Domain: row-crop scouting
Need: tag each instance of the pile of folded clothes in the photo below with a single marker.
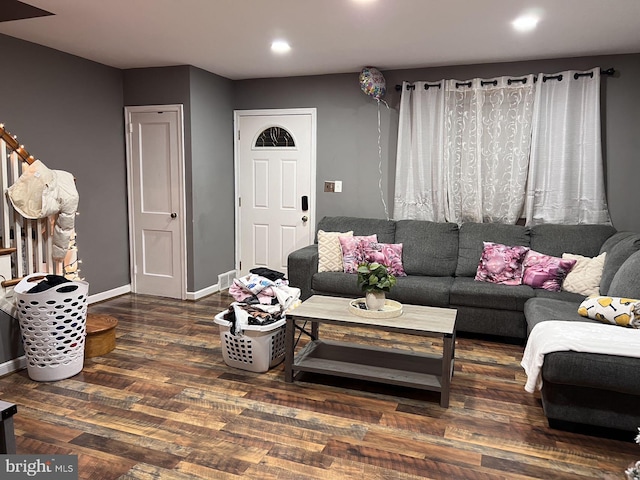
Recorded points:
(262, 297)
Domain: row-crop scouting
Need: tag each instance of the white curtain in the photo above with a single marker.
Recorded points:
(495, 150)
(566, 180)
(488, 134)
(463, 150)
(420, 190)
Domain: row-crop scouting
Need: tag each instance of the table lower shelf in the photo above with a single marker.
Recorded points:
(391, 366)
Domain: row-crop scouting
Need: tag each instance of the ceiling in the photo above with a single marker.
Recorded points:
(232, 37)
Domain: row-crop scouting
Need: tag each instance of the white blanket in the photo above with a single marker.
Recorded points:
(554, 336)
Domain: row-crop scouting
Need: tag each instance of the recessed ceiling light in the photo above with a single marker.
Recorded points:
(280, 46)
(525, 23)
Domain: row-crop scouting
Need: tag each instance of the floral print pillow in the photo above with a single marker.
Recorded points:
(545, 271)
(501, 264)
(353, 251)
(387, 254)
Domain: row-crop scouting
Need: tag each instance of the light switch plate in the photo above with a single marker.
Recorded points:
(337, 186)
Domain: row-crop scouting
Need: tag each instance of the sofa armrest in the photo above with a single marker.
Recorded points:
(301, 265)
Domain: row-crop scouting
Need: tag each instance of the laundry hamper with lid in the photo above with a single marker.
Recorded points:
(259, 348)
(53, 326)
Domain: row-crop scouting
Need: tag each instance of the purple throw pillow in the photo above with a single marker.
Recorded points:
(353, 251)
(387, 254)
(545, 271)
(501, 264)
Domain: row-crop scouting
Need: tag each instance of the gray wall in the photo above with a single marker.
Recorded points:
(347, 128)
(212, 177)
(208, 123)
(68, 113)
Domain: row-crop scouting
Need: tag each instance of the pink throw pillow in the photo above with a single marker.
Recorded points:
(501, 264)
(545, 271)
(387, 254)
(353, 251)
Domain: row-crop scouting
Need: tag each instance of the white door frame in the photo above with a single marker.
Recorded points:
(236, 165)
(182, 207)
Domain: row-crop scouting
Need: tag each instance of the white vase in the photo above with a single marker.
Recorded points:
(375, 300)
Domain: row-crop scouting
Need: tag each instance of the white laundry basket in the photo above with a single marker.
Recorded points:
(258, 349)
(53, 324)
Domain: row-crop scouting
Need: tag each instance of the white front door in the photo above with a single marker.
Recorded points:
(275, 186)
(156, 200)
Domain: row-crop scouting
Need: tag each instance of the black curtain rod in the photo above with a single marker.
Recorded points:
(608, 71)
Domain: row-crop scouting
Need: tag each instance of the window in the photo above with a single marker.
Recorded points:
(275, 137)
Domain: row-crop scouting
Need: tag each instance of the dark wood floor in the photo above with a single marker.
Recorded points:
(163, 404)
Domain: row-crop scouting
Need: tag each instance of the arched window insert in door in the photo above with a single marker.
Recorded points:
(275, 137)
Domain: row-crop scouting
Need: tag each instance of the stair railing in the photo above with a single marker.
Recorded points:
(31, 239)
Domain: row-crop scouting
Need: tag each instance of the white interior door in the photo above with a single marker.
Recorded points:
(275, 179)
(156, 205)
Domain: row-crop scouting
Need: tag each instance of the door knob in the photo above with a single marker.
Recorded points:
(174, 215)
(305, 218)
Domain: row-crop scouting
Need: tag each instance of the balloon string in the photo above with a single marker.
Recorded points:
(386, 211)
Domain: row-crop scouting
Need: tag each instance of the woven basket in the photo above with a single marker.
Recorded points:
(53, 325)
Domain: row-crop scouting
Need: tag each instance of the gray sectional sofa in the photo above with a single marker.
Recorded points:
(441, 260)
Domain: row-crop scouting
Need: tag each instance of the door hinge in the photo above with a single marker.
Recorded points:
(238, 134)
(130, 127)
(240, 265)
(239, 201)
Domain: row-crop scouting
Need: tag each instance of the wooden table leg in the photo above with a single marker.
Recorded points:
(7, 435)
(447, 363)
(288, 348)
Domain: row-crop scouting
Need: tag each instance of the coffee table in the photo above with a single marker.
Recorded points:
(425, 371)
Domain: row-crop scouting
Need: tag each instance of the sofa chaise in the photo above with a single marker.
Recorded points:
(441, 260)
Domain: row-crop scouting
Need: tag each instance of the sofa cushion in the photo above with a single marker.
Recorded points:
(472, 236)
(611, 373)
(562, 295)
(626, 282)
(490, 321)
(336, 283)
(541, 309)
(501, 264)
(468, 292)
(429, 248)
(584, 277)
(583, 240)
(422, 290)
(617, 254)
(385, 229)
(614, 239)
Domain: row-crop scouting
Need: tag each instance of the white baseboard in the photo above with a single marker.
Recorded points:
(203, 293)
(13, 365)
(116, 292)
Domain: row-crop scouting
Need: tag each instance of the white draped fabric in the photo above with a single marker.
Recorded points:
(566, 180)
(486, 154)
(420, 189)
(465, 151)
